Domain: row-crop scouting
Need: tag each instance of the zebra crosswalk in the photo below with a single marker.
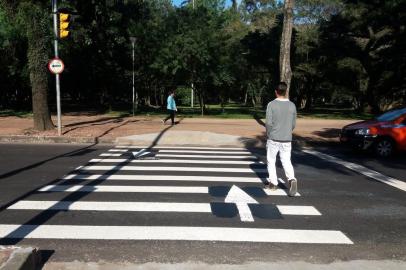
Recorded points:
(208, 194)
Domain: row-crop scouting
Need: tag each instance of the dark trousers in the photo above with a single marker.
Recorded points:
(171, 116)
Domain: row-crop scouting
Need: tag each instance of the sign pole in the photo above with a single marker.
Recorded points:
(57, 78)
(135, 94)
(133, 42)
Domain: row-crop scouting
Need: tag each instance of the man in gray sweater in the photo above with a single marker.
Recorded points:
(280, 122)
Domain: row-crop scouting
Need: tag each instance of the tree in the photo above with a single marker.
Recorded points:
(371, 34)
(286, 40)
(33, 18)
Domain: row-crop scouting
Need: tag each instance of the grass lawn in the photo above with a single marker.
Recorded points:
(334, 113)
(21, 114)
(233, 111)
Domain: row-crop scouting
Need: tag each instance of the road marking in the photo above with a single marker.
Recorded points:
(208, 157)
(112, 206)
(189, 156)
(167, 169)
(241, 199)
(278, 192)
(361, 169)
(180, 147)
(173, 233)
(190, 151)
(191, 178)
(143, 189)
(205, 152)
(110, 155)
(140, 153)
(236, 162)
(144, 207)
(298, 210)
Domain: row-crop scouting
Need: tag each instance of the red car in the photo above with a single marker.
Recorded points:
(385, 134)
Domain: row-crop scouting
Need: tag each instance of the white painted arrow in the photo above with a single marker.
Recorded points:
(140, 153)
(241, 199)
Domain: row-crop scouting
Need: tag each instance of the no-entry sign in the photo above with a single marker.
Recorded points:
(56, 66)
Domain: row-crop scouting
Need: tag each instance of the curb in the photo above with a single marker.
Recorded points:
(23, 259)
(250, 143)
(53, 139)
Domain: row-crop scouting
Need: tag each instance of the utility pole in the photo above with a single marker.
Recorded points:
(57, 77)
(133, 40)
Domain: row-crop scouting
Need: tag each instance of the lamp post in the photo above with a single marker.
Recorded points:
(133, 40)
(192, 92)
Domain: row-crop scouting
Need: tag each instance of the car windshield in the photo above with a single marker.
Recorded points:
(391, 115)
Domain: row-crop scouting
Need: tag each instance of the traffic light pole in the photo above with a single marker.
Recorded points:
(57, 78)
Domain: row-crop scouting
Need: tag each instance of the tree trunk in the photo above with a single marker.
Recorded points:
(37, 28)
(234, 5)
(37, 61)
(286, 40)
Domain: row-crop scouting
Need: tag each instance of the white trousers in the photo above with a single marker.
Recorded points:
(284, 149)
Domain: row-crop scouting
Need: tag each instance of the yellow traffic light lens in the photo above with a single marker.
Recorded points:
(64, 25)
(63, 17)
(63, 34)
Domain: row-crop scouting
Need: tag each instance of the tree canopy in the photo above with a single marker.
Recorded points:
(343, 52)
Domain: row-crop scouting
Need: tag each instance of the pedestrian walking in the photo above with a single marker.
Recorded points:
(280, 122)
(171, 107)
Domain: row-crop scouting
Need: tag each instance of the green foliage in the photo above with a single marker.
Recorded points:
(343, 52)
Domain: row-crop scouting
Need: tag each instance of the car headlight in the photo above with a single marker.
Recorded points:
(362, 131)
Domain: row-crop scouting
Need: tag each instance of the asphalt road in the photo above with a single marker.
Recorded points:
(367, 218)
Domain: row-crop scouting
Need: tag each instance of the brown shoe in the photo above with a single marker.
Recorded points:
(271, 187)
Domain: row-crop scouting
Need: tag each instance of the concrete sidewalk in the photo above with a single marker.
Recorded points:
(19, 258)
(108, 129)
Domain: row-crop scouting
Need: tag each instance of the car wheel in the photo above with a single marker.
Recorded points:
(384, 147)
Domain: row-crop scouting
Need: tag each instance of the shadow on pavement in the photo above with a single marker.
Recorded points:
(78, 152)
(20, 233)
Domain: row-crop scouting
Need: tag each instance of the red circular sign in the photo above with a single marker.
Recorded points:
(56, 66)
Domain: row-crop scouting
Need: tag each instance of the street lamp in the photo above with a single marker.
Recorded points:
(133, 40)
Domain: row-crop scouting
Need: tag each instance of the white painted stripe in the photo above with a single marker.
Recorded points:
(236, 162)
(143, 189)
(361, 169)
(171, 169)
(174, 233)
(144, 207)
(244, 212)
(191, 178)
(112, 206)
(298, 210)
(180, 147)
(278, 192)
(110, 155)
(189, 156)
(207, 157)
(118, 150)
(205, 152)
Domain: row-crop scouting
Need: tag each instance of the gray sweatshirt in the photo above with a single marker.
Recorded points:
(280, 120)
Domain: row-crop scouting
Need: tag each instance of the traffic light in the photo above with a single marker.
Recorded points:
(64, 21)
